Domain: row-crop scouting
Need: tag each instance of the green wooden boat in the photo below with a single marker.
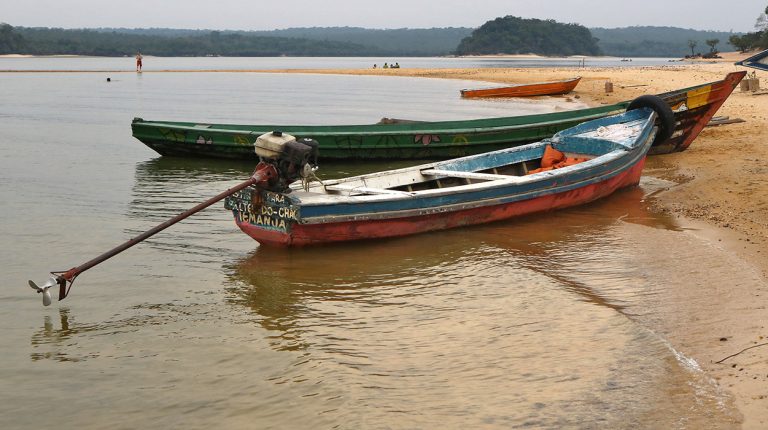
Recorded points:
(693, 107)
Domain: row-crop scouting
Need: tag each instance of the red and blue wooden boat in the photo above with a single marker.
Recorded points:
(597, 158)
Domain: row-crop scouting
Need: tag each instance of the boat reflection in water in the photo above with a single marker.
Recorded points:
(535, 317)
(272, 280)
(531, 320)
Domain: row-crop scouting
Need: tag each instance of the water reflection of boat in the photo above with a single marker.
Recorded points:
(279, 284)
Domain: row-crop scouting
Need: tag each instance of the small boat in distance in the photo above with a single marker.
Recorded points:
(575, 166)
(525, 90)
(403, 140)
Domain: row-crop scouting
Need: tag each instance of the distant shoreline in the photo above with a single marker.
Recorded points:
(522, 56)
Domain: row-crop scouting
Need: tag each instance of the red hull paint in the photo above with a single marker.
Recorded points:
(702, 104)
(715, 99)
(309, 234)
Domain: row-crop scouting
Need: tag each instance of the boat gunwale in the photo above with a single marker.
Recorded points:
(638, 156)
(595, 170)
(758, 61)
(501, 87)
(391, 132)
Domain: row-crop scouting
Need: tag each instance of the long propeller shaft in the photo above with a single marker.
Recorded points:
(263, 174)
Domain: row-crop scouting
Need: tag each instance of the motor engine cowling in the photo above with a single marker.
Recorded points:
(293, 158)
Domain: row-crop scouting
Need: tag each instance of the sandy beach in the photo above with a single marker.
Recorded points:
(722, 195)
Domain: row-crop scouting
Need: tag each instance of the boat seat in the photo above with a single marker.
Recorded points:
(470, 175)
(366, 190)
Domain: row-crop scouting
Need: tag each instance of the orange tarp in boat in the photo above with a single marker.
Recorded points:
(554, 159)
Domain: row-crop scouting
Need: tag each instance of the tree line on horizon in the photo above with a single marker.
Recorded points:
(755, 40)
(506, 35)
(56, 41)
(513, 35)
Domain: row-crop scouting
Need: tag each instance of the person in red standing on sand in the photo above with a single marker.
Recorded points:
(138, 61)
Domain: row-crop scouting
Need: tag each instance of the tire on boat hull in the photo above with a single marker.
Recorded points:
(665, 117)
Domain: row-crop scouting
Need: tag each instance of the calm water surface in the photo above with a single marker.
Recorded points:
(247, 63)
(543, 322)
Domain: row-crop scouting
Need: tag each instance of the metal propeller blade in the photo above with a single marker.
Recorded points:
(45, 289)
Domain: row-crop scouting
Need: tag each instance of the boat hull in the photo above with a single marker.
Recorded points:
(758, 61)
(693, 108)
(608, 154)
(525, 90)
(420, 140)
(313, 234)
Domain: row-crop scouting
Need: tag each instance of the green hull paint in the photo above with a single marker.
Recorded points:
(418, 140)
(693, 107)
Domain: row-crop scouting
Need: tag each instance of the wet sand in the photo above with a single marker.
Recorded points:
(722, 197)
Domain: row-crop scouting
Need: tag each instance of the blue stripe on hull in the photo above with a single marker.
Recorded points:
(497, 195)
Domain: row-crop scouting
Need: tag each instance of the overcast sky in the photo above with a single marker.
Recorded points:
(736, 15)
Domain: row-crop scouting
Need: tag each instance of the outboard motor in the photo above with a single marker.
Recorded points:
(293, 159)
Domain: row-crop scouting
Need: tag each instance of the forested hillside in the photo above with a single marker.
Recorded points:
(504, 35)
(513, 35)
(657, 41)
(46, 41)
(401, 42)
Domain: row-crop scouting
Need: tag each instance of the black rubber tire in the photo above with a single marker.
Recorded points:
(665, 117)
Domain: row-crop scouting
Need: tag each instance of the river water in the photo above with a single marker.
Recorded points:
(549, 321)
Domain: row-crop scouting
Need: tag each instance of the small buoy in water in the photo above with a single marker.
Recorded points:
(109, 79)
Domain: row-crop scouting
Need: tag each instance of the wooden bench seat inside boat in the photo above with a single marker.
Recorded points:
(469, 175)
(364, 190)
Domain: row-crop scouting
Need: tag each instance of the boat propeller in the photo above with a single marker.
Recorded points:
(282, 160)
(262, 176)
(45, 289)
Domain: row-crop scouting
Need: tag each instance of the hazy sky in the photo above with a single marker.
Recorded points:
(736, 15)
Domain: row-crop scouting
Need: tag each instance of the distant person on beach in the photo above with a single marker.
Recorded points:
(374, 66)
(386, 66)
(138, 61)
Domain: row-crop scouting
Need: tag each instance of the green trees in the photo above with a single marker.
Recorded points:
(513, 35)
(712, 43)
(56, 41)
(654, 41)
(692, 45)
(741, 43)
(758, 39)
(331, 42)
(506, 35)
(10, 41)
